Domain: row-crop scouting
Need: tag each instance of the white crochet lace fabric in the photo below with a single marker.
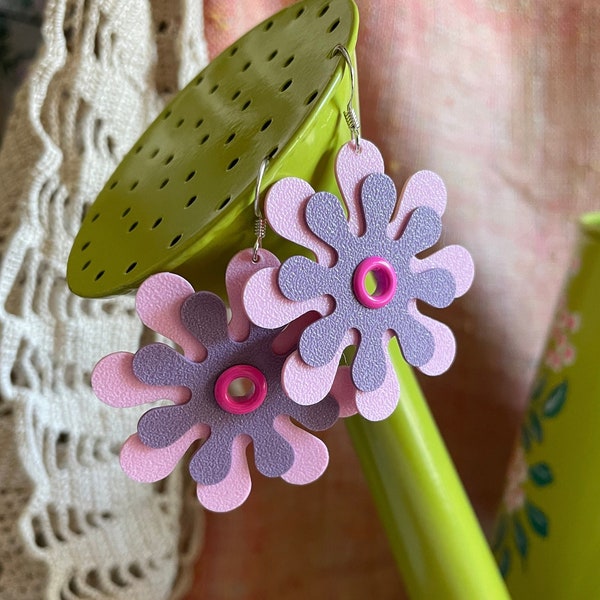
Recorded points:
(71, 524)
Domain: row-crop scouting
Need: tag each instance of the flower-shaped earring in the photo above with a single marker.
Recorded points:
(201, 384)
(366, 280)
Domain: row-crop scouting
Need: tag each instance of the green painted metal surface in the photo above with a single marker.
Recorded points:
(181, 198)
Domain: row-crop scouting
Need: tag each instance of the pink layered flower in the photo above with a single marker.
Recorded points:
(204, 406)
(376, 239)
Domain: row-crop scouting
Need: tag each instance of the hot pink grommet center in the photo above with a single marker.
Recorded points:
(240, 405)
(385, 279)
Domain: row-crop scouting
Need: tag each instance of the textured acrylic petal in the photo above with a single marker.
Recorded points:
(290, 336)
(205, 315)
(435, 287)
(301, 279)
(326, 219)
(115, 384)
(310, 453)
(162, 426)
(455, 259)
(239, 270)
(212, 461)
(378, 197)
(424, 188)
(235, 488)
(351, 167)
(320, 341)
(308, 385)
(145, 464)
(369, 364)
(415, 340)
(272, 454)
(317, 417)
(158, 302)
(344, 392)
(380, 403)
(285, 206)
(445, 344)
(158, 364)
(422, 231)
(267, 307)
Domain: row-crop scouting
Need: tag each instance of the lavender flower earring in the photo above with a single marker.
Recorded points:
(375, 242)
(200, 384)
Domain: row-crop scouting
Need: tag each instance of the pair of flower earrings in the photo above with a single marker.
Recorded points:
(277, 361)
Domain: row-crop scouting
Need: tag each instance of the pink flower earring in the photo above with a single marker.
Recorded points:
(200, 383)
(375, 241)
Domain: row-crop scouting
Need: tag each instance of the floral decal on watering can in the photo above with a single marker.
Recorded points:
(521, 518)
(561, 352)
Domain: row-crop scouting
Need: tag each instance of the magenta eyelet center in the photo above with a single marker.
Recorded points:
(385, 280)
(246, 376)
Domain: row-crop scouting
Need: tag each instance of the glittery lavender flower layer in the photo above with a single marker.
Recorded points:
(204, 315)
(303, 279)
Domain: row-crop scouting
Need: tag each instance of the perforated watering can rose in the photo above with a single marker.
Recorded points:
(178, 200)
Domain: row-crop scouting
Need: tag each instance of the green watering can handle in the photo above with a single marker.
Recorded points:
(437, 542)
(181, 201)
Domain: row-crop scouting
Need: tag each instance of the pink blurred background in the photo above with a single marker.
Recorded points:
(502, 99)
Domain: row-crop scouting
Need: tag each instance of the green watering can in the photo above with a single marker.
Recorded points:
(181, 201)
(548, 532)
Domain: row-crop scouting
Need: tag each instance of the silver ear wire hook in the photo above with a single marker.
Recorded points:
(350, 115)
(260, 223)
